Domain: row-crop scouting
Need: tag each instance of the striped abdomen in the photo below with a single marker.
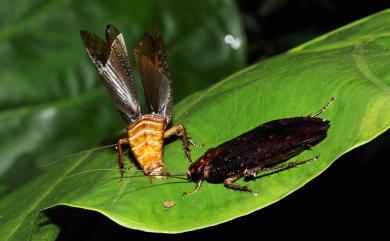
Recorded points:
(146, 143)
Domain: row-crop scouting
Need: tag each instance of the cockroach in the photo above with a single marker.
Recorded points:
(145, 132)
(261, 150)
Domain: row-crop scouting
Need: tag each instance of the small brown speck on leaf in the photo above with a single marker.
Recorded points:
(169, 204)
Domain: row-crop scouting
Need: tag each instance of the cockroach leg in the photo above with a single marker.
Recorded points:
(122, 141)
(324, 107)
(198, 185)
(180, 130)
(254, 171)
(229, 184)
(150, 179)
(193, 143)
(277, 168)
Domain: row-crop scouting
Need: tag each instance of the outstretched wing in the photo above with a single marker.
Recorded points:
(153, 67)
(111, 60)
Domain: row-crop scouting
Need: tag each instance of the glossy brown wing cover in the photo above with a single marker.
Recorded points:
(266, 145)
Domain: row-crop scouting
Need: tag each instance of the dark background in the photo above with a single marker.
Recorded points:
(347, 201)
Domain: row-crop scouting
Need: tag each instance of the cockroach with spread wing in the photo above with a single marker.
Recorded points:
(261, 150)
(146, 132)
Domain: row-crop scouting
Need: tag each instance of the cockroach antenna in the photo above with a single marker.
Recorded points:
(77, 153)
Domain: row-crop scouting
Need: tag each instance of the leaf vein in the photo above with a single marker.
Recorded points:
(358, 55)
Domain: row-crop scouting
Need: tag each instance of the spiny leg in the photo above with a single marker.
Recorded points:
(122, 141)
(180, 130)
(323, 108)
(277, 168)
(193, 143)
(229, 184)
(197, 187)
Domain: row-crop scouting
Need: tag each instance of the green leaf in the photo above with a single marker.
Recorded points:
(53, 103)
(44, 230)
(350, 63)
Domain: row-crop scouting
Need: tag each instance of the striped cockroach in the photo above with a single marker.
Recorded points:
(145, 132)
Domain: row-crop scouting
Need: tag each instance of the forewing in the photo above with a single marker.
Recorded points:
(112, 63)
(153, 67)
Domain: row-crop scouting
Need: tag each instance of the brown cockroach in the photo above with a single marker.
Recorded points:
(145, 132)
(261, 150)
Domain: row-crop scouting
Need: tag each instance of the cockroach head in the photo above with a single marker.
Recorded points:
(196, 171)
